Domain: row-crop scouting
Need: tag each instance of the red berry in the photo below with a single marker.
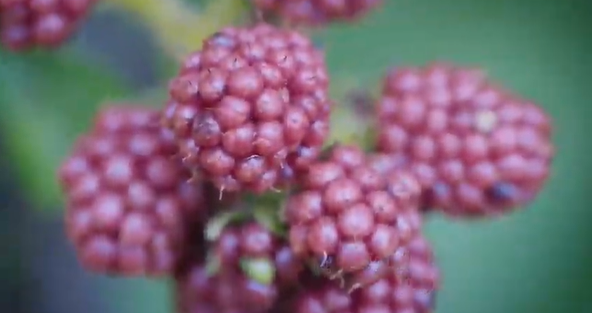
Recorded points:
(317, 12)
(26, 24)
(414, 291)
(199, 291)
(128, 200)
(477, 149)
(349, 217)
(411, 291)
(253, 242)
(250, 107)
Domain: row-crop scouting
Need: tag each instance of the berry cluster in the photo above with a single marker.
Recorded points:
(130, 205)
(413, 290)
(251, 107)
(252, 267)
(476, 148)
(232, 189)
(317, 12)
(351, 217)
(25, 24)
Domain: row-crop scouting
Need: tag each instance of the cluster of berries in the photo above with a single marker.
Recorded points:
(25, 24)
(232, 189)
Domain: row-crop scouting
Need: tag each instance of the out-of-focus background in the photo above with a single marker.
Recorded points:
(537, 260)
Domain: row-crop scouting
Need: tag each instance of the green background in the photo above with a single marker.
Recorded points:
(536, 260)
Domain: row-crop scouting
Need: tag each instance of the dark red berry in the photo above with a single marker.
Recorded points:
(253, 250)
(349, 216)
(253, 241)
(412, 290)
(250, 107)
(27, 24)
(317, 12)
(129, 202)
(477, 149)
(251, 268)
(200, 291)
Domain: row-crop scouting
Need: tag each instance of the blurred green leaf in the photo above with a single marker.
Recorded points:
(46, 100)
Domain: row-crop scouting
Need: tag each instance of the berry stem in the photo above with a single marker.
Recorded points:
(179, 28)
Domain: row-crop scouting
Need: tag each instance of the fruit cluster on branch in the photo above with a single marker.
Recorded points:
(233, 190)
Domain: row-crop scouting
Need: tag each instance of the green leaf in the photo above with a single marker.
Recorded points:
(217, 223)
(269, 217)
(47, 100)
(261, 270)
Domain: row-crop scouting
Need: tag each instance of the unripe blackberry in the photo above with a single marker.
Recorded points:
(26, 24)
(413, 291)
(477, 149)
(129, 202)
(251, 107)
(252, 246)
(199, 291)
(398, 262)
(414, 294)
(317, 12)
(252, 261)
(348, 216)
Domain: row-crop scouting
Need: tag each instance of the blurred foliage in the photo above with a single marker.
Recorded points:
(181, 28)
(536, 260)
(46, 100)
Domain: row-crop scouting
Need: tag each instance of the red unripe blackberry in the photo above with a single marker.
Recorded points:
(26, 24)
(250, 107)
(252, 261)
(411, 291)
(317, 12)
(129, 202)
(415, 293)
(477, 149)
(228, 290)
(349, 216)
(253, 243)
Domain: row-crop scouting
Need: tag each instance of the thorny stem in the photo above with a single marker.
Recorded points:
(180, 28)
